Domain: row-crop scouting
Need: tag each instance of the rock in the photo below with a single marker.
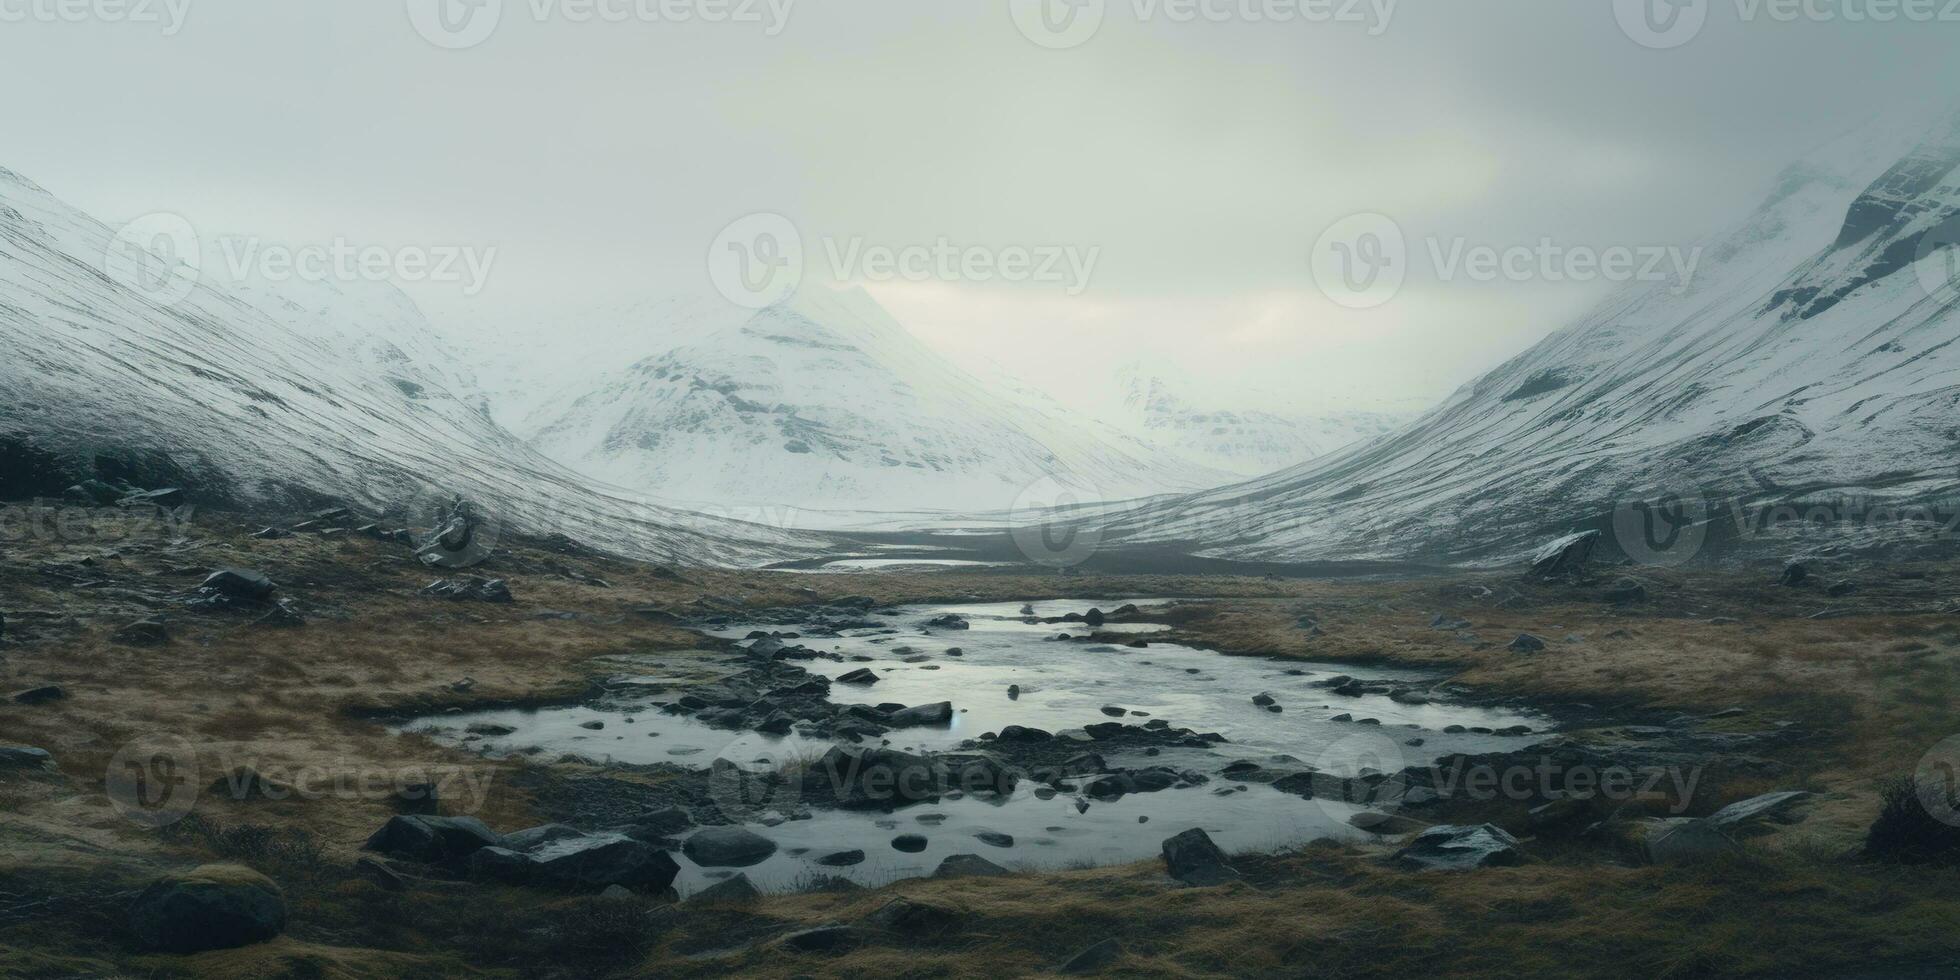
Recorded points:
(842, 859)
(1564, 556)
(727, 847)
(1688, 842)
(490, 730)
(272, 534)
(1092, 959)
(217, 906)
(968, 866)
(1794, 574)
(44, 694)
(240, 584)
(581, 863)
(432, 840)
(1527, 643)
(1019, 733)
(1093, 618)
(1114, 711)
(995, 839)
(592, 726)
(914, 920)
(1385, 824)
(1262, 699)
(909, 843)
(656, 824)
(1773, 807)
(143, 633)
(1454, 847)
(937, 713)
(532, 838)
(950, 621)
(832, 938)
(27, 759)
(862, 675)
(469, 587)
(1840, 589)
(1193, 859)
(729, 891)
(1626, 592)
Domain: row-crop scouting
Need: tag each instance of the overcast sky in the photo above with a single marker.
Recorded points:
(1200, 159)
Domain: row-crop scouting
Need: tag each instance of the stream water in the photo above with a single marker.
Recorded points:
(1062, 685)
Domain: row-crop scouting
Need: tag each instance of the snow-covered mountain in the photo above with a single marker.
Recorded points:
(1808, 359)
(826, 403)
(277, 397)
(1242, 441)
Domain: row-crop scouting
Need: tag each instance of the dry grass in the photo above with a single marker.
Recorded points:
(1874, 691)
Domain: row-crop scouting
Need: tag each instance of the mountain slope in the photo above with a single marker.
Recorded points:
(1806, 360)
(249, 411)
(826, 403)
(1244, 441)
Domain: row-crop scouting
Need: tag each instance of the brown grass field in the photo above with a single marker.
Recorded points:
(1870, 692)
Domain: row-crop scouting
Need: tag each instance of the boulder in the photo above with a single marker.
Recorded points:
(1794, 574)
(1193, 859)
(937, 713)
(1527, 643)
(856, 776)
(909, 843)
(432, 840)
(862, 675)
(240, 584)
(1688, 842)
(729, 891)
(950, 621)
(580, 863)
(26, 759)
(1452, 847)
(842, 859)
(217, 906)
(1564, 556)
(913, 920)
(993, 838)
(727, 847)
(470, 588)
(1384, 824)
(1444, 621)
(968, 866)
(1745, 815)
(1093, 618)
(44, 694)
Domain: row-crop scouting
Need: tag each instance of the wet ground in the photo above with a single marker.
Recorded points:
(1009, 668)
